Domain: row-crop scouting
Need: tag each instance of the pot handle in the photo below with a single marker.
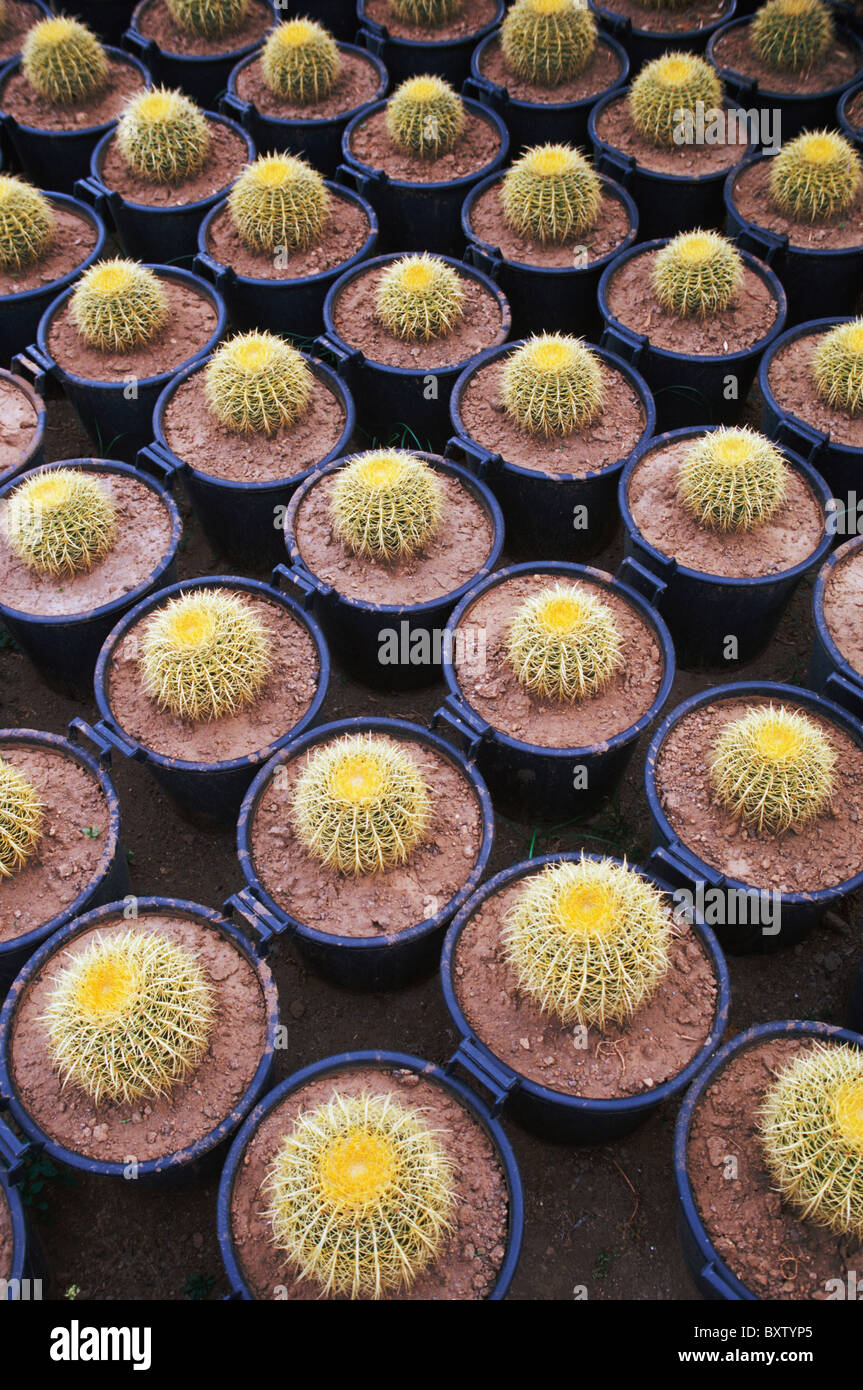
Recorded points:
(13, 1151)
(373, 37)
(361, 183)
(720, 1286)
(473, 457)
(298, 586)
(93, 191)
(489, 262)
(638, 577)
(467, 730)
(235, 107)
(761, 242)
(616, 24)
(485, 1071)
(845, 694)
(800, 438)
(159, 462)
(617, 338)
(614, 165)
(488, 94)
(345, 359)
(247, 906)
(35, 366)
(679, 866)
(142, 47)
(212, 270)
(104, 738)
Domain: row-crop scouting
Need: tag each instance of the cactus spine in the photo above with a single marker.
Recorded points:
(301, 62)
(792, 35)
(732, 480)
(386, 505)
(279, 203)
(21, 818)
(419, 298)
(163, 136)
(27, 224)
(64, 62)
(837, 366)
(552, 385)
(209, 19)
(61, 522)
(564, 643)
(118, 306)
(205, 655)
(673, 83)
(425, 117)
(816, 176)
(548, 41)
(257, 384)
(551, 193)
(773, 769)
(697, 274)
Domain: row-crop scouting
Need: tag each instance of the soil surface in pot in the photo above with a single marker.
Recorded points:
(626, 1059)
(370, 905)
(474, 16)
(491, 687)
(792, 385)
(452, 558)
(746, 322)
(19, 422)
(612, 226)
(144, 530)
(480, 326)
(346, 233)
(18, 99)
(6, 1246)
(733, 53)
(477, 147)
(763, 1241)
(752, 201)
(192, 323)
(74, 239)
(76, 842)
(826, 852)
(783, 541)
(614, 126)
(195, 435)
(470, 1259)
(20, 17)
(611, 437)
(664, 21)
(283, 700)
(358, 84)
(602, 72)
(843, 607)
(227, 154)
(155, 23)
(159, 1126)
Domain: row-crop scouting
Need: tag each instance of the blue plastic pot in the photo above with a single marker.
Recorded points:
(209, 793)
(17, 1283)
(539, 508)
(701, 609)
(388, 398)
(147, 231)
(357, 962)
(830, 673)
(533, 782)
(476, 1107)
(196, 1158)
(420, 216)
(317, 139)
(710, 1274)
(854, 133)
(109, 882)
(449, 58)
(34, 456)
(115, 423)
(689, 390)
(557, 1115)
(544, 299)
(798, 912)
(797, 111)
(202, 77)
(107, 18)
(855, 1003)
(294, 306)
(643, 45)
(56, 159)
(239, 518)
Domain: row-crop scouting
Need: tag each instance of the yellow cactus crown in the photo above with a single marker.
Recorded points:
(548, 41)
(773, 768)
(668, 85)
(816, 176)
(837, 367)
(552, 385)
(257, 383)
(63, 61)
(27, 224)
(163, 136)
(62, 521)
(21, 819)
(419, 298)
(697, 274)
(564, 643)
(279, 203)
(387, 505)
(425, 117)
(551, 193)
(791, 35)
(301, 62)
(732, 479)
(119, 305)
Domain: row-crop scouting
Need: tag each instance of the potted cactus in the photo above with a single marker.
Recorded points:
(415, 37)
(649, 28)
(22, 427)
(694, 315)
(16, 17)
(194, 44)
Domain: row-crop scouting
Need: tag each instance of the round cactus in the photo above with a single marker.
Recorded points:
(564, 643)
(61, 522)
(163, 136)
(21, 817)
(386, 505)
(697, 274)
(361, 804)
(791, 35)
(361, 1195)
(551, 193)
(209, 19)
(548, 41)
(419, 297)
(815, 176)
(837, 366)
(773, 769)
(257, 383)
(732, 479)
(119, 305)
(279, 203)
(27, 224)
(301, 62)
(811, 1132)
(426, 14)
(425, 117)
(673, 83)
(552, 384)
(64, 62)
(588, 941)
(205, 655)
(129, 1017)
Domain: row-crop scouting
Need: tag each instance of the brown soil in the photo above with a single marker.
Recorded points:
(67, 859)
(614, 125)
(6, 1249)
(372, 147)
(470, 1259)
(346, 232)
(601, 73)
(489, 224)
(116, 1133)
(612, 435)
(761, 1239)
(790, 380)
(144, 528)
(356, 324)
(475, 16)
(18, 424)
(658, 22)
(786, 539)
(843, 607)
(196, 436)
(745, 323)
(74, 239)
(19, 100)
(810, 858)
(732, 53)
(752, 200)
(492, 689)
(155, 22)
(19, 18)
(855, 112)
(357, 85)
(626, 1059)
(455, 555)
(284, 699)
(370, 905)
(192, 323)
(227, 155)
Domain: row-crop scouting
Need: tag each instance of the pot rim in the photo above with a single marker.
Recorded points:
(842, 105)
(54, 287)
(315, 123)
(446, 44)
(19, 383)
(657, 175)
(197, 204)
(822, 629)
(822, 253)
(676, 36)
(196, 59)
(117, 54)
(795, 100)
(582, 103)
(465, 181)
(782, 340)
